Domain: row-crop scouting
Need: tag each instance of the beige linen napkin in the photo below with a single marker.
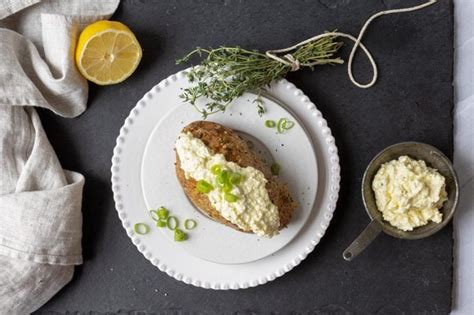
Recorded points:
(40, 203)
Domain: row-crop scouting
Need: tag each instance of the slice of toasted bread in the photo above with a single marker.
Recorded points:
(220, 139)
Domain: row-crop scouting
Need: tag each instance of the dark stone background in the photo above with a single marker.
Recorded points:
(412, 100)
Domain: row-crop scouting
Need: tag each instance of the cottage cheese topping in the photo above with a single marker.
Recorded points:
(408, 193)
(253, 211)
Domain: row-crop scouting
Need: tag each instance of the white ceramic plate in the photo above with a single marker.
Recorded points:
(213, 241)
(183, 262)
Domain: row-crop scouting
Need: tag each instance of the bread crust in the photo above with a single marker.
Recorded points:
(223, 140)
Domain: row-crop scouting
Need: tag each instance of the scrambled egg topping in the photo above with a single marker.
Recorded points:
(253, 211)
(408, 193)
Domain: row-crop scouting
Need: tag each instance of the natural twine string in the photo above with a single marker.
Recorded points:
(289, 59)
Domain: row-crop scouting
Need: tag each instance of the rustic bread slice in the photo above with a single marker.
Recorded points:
(220, 139)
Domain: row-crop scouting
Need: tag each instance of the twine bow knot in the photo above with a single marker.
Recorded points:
(295, 64)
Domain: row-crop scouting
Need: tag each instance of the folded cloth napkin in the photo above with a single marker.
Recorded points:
(40, 203)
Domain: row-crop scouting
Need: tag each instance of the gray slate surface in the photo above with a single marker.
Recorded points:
(411, 101)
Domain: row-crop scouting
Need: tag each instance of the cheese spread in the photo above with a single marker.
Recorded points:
(408, 193)
(253, 211)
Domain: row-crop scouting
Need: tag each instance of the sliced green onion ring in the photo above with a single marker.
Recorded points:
(163, 213)
(154, 215)
(161, 223)
(288, 124)
(270, 123)
(230, 197)
(235, 178)
(204, 187)
(190, 224)
(227, 187)
(141, 228)
(216, 169)
(223, 177)
(172, 223)
(179, 235)
(280, 123)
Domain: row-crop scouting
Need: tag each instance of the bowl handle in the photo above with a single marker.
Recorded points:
(363, 240)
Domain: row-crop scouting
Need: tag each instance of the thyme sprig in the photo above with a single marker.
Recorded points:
(227, 72)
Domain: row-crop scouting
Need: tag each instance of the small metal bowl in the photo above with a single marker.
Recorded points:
(419, 151)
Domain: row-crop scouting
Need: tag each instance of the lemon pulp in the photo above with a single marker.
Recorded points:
(107, 52)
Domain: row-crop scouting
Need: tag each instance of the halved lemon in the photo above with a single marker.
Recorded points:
(107, 52)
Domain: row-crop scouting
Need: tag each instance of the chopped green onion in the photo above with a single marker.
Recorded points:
(204, 187)
(230, 197)
(172, 223)
(141, 228)
(223, 177)
(163, 213)
(190, 224)
(235, 178)
(227, 187)
(275, 168)
(154, 215)
(216, 169)
(179, 235)
(284, 124)
(270, 123)
(161, 223)
(280, 125)
(288, 124)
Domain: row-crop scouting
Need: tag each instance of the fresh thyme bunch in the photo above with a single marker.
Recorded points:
(227, 72)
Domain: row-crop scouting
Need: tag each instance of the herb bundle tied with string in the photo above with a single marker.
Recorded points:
(227, 72)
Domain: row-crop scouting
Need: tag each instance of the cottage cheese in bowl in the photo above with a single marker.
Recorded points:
(409, 193)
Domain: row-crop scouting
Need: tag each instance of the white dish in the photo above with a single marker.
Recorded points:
(213, 241)
(173, 258)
